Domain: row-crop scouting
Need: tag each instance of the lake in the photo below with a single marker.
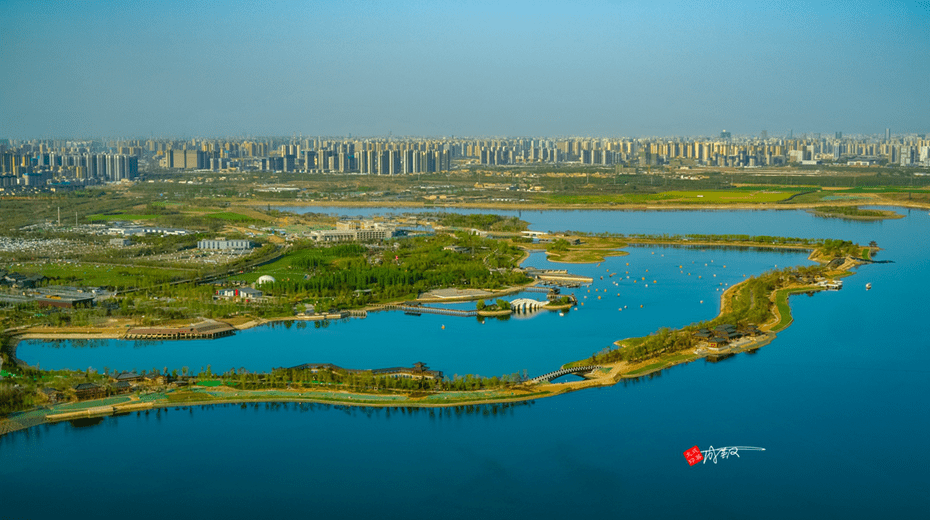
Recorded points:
(838, 401)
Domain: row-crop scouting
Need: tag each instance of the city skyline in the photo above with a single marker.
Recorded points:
(445, 69)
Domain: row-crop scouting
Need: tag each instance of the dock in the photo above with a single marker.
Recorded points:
(209, 329)
(416, 310)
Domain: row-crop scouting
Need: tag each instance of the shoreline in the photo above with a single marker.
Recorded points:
(542, 206)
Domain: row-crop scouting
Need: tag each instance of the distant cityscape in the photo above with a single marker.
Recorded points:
(58, 165)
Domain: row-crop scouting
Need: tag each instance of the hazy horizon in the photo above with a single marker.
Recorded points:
(476, 69)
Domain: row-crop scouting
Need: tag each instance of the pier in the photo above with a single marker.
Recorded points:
(416, 310)
(207, 330)
(558, 277)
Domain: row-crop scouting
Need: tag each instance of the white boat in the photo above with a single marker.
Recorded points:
(868, 286)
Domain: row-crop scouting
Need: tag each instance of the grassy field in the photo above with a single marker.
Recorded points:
(102, 275)
(280, 269)
(230, 216)
(591, 250)
(583, 256)
(741, 196)
(784, 310)
(661, 364)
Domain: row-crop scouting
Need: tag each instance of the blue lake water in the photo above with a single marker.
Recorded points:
(838, 400)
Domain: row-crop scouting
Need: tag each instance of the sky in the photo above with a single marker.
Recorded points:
(467, 68)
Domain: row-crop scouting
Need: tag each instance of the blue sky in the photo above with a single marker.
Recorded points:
(436, 68)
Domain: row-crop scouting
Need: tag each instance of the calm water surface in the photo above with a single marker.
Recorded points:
(839, 402)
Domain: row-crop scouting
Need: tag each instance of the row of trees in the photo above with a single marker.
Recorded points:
(486, 222)
(498, 305)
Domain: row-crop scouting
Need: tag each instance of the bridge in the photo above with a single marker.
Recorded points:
(581, 371)
(416, 310)
(526, 305)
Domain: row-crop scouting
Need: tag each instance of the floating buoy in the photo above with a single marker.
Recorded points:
(724, 267)
(644, 278)
(681, 267)
(653, 252)
(715, 276)
(443, 327)
(702, 301)
(647, 285)
(654, 281)
(640, 306)
(699, 276)
(598, 297)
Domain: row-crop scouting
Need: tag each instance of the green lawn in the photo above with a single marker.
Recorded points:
(95, 275)
(754, 196)
(280, 269)
(742, 195)
(784, 310)
(660, 364)
(230, 216)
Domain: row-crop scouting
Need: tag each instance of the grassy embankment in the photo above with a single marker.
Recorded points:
(590, 250)
(855, 213)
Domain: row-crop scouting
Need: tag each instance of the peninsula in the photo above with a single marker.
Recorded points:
(752, 312)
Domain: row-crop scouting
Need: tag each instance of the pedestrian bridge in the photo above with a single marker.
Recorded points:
(526, 305)
(581, 371)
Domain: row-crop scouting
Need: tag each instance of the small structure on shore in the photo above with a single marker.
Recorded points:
(89, 391)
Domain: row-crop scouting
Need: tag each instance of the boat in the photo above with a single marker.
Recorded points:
(868, 286)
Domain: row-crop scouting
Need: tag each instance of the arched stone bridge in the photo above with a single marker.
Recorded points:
(526, 305)
(581, 371)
